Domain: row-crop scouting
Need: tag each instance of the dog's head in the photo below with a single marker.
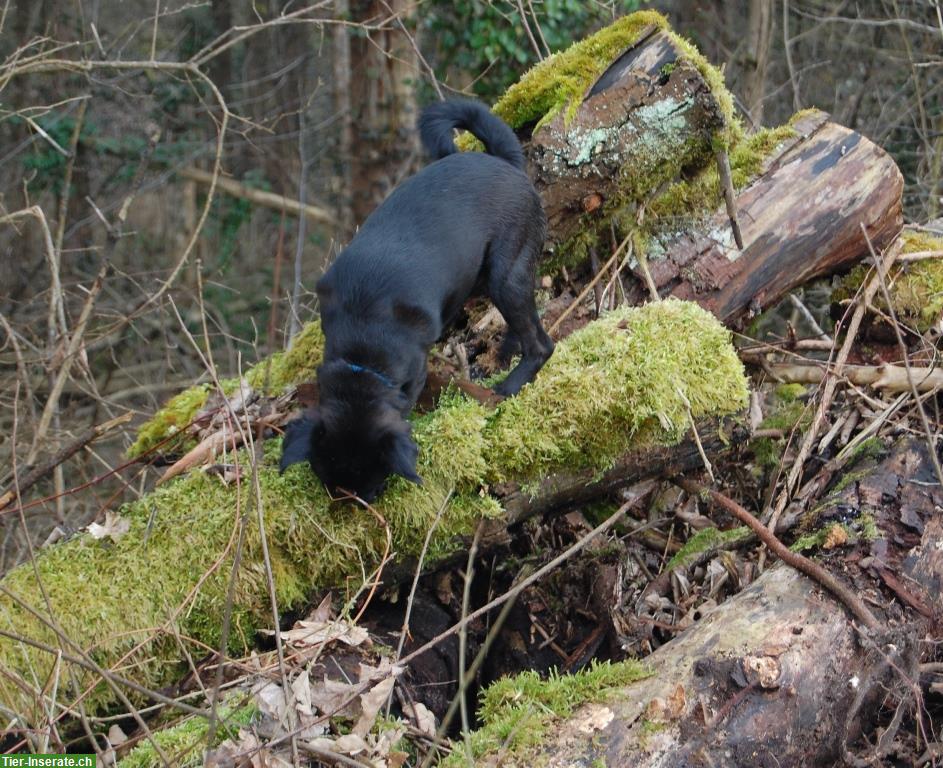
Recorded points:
(352, 444)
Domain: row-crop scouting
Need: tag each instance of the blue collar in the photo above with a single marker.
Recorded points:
(385, 380)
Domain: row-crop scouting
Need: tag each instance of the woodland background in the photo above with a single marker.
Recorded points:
(315, 103)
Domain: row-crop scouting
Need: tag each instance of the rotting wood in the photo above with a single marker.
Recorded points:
(647, 112)
(800, 220)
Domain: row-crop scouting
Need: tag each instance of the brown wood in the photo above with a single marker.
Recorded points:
(800, 220)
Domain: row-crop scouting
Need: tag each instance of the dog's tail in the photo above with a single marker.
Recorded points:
(438, 120)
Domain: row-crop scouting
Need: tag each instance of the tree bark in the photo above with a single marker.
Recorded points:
(383, 141)
(649, 115)
(801, 220)
(759, 35)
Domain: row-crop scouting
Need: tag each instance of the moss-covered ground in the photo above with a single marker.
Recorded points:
(184, 743)
(518, 713)
(786, 410)
(614, 385)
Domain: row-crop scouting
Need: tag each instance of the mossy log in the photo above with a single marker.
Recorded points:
(630, 381)
(631, 148)
(647, 117)
(778, 675)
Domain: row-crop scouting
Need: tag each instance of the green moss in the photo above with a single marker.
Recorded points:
(864, 528)
(872, 448)
(518, 712)
(619, 381)
(791, 392)
(169, 420)
(280, 370)
(609, 387)
(184, 743)
(707, 540)
(299, 364)
(849, 478)
(560, 81)
(786, 411)
(916, 287)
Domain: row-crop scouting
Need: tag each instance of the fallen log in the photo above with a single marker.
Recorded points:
(801, 220)
(631, 381)
(777, 675)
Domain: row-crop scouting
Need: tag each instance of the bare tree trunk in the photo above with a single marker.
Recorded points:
(342, 105)
(759, 35)
(383, 143)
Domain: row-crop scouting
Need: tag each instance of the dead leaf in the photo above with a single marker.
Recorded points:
(323, 612)
(310, 633)
(350, 744)
(233, 753)
(836, 537)
(202, 453)
(388, 738)
(370, 703)
(301, 687)
(271, 700)
(422, 718)
(333, 697)
(115, 527)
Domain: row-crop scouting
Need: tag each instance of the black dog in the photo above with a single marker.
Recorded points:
(468, 224)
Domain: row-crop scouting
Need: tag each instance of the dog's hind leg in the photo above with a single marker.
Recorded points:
(511, 288)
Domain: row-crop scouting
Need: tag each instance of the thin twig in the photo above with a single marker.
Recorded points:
(828, 389)
(463, 644)
(589, 286)
(730, 199)
(800, 562)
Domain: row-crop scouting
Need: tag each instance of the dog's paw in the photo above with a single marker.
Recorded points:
(296, 447)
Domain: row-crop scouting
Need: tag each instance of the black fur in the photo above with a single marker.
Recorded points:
(467, 224)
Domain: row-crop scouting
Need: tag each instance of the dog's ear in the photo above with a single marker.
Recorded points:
(296, 447)
(403, 455)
